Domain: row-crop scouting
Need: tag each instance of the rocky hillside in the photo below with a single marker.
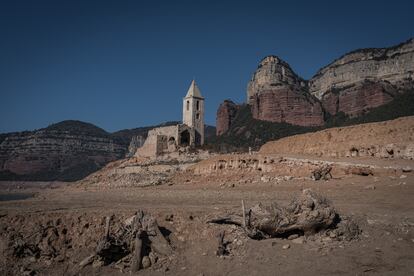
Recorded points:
(277, 94)
(244, 131)
(353, 89)
(364, 79)
(66, 151)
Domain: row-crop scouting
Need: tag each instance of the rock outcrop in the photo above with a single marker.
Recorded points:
(277, 94)
(353, 85)
(364, 79)
(65, 151)
(225, 116)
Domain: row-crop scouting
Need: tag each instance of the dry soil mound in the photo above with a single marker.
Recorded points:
(388, 139)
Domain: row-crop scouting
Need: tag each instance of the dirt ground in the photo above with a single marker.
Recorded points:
(381, 205)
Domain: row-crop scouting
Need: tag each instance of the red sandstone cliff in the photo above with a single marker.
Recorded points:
(277, 94)
(287, 106)
(225, 116)
(358, 99)
(353, 84)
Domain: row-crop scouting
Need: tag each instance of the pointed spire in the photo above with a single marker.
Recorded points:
(193, 91)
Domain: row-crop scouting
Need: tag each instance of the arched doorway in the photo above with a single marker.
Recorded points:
(185, 138)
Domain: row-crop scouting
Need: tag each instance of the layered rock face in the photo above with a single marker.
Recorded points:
(225, 115)
(364, 79)
(287, 106)
(66, 151)
(277, 94)
(358, 99)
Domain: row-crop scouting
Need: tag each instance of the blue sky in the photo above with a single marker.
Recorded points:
(124, 64)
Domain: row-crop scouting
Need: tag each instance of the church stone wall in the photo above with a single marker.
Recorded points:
(165, 139)
(159, 141)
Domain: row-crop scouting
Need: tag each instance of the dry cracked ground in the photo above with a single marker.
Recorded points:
(52, 232)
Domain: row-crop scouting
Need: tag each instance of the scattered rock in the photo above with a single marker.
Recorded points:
(346, 229)
(98, 263)
(364, 171)
(370, 187)
(407, 169)
(326, 239)
(153, 258)
(146, 262)
(286, 246)
(332, 234)
(403, 176)
(292, 237)
(265, 179)
(169, 217)
(299, 240)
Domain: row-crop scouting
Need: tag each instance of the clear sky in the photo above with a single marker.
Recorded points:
(123, 64)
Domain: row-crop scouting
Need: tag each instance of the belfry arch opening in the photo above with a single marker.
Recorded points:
(171, 141)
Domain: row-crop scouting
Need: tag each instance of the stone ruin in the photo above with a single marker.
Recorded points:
(189, 134)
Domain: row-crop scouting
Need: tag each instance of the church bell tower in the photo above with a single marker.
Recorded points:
(193, 112)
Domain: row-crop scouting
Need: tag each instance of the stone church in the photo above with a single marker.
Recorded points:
(188, 134)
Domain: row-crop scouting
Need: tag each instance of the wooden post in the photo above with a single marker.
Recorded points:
(108, 221)
(244, 214)
(137, 258)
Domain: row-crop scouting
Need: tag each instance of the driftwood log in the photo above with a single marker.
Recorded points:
(306, 214)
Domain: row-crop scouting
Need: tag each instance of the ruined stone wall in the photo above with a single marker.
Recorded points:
(157, 141)
(165, 140)
(283, 168)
